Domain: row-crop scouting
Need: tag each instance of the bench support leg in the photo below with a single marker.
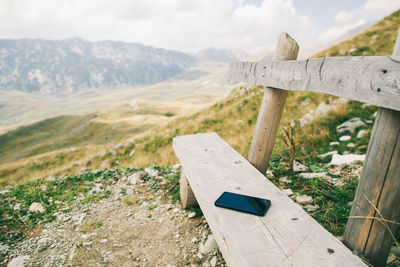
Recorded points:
(187, 197)
(271, 111)
(379, 186)
(377, 193)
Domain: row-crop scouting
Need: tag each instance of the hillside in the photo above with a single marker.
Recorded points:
(232, 118)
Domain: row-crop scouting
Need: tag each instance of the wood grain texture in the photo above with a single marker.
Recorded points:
(379, 186)
(187, 197)
(285, 236)
(374, 80)
(271, 110)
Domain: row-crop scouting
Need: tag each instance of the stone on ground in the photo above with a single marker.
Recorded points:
(18, 261)
(350, 125)
(36, 207)
(346, 159)
(304, 199)
(209, 245)
(298, 167)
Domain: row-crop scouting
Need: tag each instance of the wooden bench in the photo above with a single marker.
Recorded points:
(285, 236)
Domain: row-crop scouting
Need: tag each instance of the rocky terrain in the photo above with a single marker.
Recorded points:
(137, 224)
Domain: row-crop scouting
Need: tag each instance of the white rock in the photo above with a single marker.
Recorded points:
(18, 261)
(351, 145)
(306, 119)
(2, 192)
(78, 218)
(103, 241)
(134, 178)
(195, 240)
(192, 215)
(199, 255)
(43, 241)
(209, 245)
(285, 179)
(345, 138)
(288, 192)
(85, 236)
(350, 125)
(239, 122)
(151, 172)
(17, 206)
(322, 109)
(345, 159)
(352, 50)
(118, 146)
(362, 133)
(77, 163)
(36, 207)
(176, 167)
(4, 249)
(298, 167)
(132, 153)
(104, 164)
(312, 175)
(323, 156)
(375, 114)
(70, 149)
(369, 122)
(213, 261)
(311, 208)
(50, 179)
(113, 152)
(335, 143)
(304, 199)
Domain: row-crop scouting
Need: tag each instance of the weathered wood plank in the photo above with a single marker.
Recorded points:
(271, 110)
(379, 186)
(374, 80)
(185, 191)
(285, 236)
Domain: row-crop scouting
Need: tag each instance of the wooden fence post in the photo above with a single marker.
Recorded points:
(271, 109)
(378, 192)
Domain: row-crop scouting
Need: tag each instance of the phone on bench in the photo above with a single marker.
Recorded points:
(243, 203)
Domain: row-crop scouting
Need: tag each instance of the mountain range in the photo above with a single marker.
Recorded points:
(71, 65)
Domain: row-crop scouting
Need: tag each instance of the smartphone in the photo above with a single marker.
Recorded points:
(243, 203)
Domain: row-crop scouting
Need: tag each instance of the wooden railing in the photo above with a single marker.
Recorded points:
(374, 80)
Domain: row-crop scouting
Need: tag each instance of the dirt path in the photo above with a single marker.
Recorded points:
(135, 226)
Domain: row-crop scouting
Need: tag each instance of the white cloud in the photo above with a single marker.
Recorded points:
(349, 19)
(186, 25)
(375, 8)
(334, 32)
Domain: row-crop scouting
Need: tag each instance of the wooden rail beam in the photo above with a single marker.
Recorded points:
(374, 80)
(378, 192)
(271, 110)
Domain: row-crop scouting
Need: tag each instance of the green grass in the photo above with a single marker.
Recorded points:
(53, 195)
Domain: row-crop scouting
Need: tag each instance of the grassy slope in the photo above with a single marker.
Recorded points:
(233, 118)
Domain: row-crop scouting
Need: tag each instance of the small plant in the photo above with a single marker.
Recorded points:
(288, 138)
(152, 207)
(130, 200)
(96, 224)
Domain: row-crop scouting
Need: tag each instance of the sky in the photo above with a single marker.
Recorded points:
(190, 25)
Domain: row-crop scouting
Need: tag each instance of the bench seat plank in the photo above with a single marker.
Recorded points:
(285, 236)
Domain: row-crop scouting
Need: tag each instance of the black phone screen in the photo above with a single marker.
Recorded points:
(243, 203)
